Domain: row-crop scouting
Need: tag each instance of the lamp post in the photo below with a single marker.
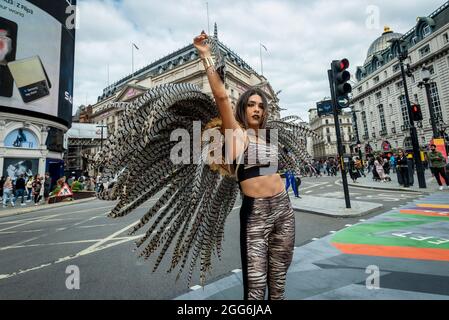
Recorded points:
(356, 129)
(425, 76)
(403, 54)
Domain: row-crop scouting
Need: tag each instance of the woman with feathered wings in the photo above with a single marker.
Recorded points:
(198, 193)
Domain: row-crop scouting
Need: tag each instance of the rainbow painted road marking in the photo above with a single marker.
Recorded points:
(418, 232)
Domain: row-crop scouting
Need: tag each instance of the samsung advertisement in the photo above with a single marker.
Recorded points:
(37, 41)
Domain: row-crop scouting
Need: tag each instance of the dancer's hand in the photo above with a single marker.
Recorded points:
(203, 48)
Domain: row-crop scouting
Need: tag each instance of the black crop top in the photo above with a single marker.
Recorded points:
(258, 159)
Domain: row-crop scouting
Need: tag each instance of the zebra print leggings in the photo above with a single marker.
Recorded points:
(267, 238)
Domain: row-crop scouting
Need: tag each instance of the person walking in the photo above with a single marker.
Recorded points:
(378, 164)
(47, 185)
(2, 182)
(291, 181)
(20, 189)
(402, 168)
(438, 166)
(8, 193)
(37, 186)
(29, 186)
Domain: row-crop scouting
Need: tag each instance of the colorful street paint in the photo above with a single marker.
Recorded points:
(420, 231)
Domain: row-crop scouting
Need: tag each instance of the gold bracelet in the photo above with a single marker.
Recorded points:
(208, 62)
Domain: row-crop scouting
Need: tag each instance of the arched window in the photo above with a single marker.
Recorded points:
(21, 138)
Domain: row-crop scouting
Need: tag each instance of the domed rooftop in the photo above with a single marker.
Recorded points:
(381, 43)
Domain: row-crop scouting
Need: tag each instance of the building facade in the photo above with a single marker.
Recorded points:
(324, 126)
(378, 95)
(183, 65)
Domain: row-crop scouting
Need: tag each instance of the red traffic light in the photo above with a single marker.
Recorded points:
(343, 64)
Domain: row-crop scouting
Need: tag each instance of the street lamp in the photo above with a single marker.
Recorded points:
(425, 76)
(356, 129)
(402, 56)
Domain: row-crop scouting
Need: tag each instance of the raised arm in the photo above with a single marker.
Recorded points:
(220, 95)
(217, 86)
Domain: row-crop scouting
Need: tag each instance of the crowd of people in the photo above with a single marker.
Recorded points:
(24, 188)
(38, 189)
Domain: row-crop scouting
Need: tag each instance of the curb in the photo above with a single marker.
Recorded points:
(16, 212)
(389, 189)
(355, 215)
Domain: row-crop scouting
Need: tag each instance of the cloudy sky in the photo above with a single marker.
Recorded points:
(302, 37)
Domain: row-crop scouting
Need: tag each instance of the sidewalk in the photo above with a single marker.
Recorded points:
(407, 247)
(393, 185)
(332, 207)
(30, 207)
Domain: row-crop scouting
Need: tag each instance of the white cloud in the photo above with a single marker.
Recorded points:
(302, 38)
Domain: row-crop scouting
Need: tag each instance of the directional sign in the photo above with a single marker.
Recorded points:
(324, 107)
(343, 102)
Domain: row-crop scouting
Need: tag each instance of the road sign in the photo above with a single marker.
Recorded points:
(324, 107)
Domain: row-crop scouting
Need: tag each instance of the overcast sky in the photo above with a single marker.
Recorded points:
(302, 38)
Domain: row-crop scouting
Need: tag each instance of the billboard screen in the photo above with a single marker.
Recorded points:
(37, 41)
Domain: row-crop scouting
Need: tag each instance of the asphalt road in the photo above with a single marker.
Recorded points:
(39, 250)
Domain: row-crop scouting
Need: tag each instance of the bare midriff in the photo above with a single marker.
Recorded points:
(263, 186)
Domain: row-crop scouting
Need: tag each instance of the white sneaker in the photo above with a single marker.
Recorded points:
(13, 204)
(441, 188)
(23, 204)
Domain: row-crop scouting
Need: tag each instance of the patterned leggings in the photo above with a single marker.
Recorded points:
(267, 237)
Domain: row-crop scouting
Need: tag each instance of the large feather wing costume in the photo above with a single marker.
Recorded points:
(197, 195)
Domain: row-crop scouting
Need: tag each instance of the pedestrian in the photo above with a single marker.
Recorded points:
(438, 166)
(20, 189)
(267, 220)
(8, 192)
(290, 180)
(353, 171)
(393, 163)
(37, 186)
(2, 182)
(411, 169)
(378, 164)
(403, 170)
(47, 185)
(29, 187)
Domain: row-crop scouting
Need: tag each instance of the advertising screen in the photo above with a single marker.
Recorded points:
(37, 42)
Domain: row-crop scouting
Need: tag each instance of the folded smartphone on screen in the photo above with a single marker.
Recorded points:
(31, 78)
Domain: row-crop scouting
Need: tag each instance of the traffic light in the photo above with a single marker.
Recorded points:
(340, 78)
(416, 112)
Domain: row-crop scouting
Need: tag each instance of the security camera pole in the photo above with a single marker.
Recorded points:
(338, 77)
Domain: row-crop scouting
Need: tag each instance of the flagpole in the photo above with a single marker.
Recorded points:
(208, 24)
(132, 54)
(261, 63)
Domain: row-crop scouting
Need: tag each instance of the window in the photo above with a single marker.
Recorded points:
(391, 108)
(435, 98)
(414, 40)
(328, 139)
(365, 123)
(360, 88)
(383, 124)
(378, 64)
(385, 74)
(424, 51)
(426, 31)
(327, 121)
(416, 98)
(369, 100)
(446, 38)
(379, 95)
(362, 104)
(431, 70)
(328, 130)
(396, 68)
(376, 79)
(404, 110)
(388, 91)
(399, 85)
